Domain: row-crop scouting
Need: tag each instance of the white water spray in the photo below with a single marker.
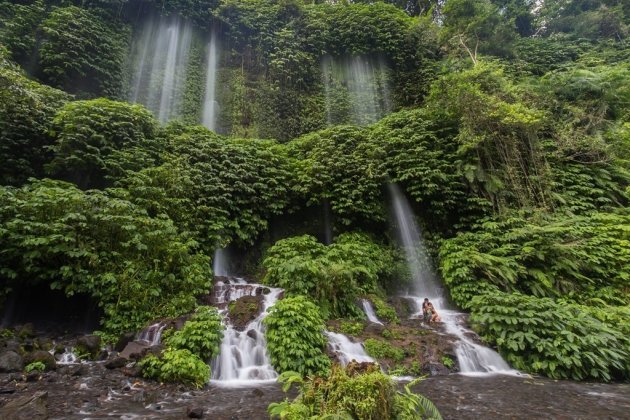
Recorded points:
(369, 311)
(346, 350)
(220, 263)
(210, 104)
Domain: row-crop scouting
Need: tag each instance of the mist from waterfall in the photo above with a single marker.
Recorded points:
(210, 104)
(356, 89)
(160, 58)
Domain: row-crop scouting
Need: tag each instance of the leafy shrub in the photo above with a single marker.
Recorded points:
(351, 327)
(176, 365)
(295, 339)
(35, 367)
(27, 109)
(558, 340)
(136, 267)
(380, 349)
(201, 334)
(354, 392)
(332, 275)
(89, 135)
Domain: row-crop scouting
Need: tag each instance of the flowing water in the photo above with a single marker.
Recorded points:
(345, 349)
(152, 335)
(369, 311)
(356, 89)
(474, 359)
(210, 104)
(160, 59)
(243, 358)
(221, 263)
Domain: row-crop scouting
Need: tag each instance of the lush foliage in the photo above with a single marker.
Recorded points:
(354, 392)
(137, 267)
(295, 338)
(201, 334)
(556, 339)
(176, 365)
(380, 349)
(333, 276)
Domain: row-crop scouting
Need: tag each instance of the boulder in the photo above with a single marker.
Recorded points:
(374, 328)
(31, 407)
(90, 344)
(134, 350)
(437, 369)
(244, 310)
(41, 356)
(194, 413)
(11, 361)
(123, 340)
(116, 363)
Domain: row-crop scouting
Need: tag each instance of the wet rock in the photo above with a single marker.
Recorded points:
(90, 344)
(403, 306)
(374, 328)
(437, 369)
(30, 407)
(44, 343)
(116, 363)
(10, 389)
(194, 413)
(41, 356)
(258, 392)
(134, 350)
(244, 310)
(131, 371)
(252, 334)
(13, 345)
(78, 370)
(10, 361)
(33, 377)
(123, 340)
(102, 355)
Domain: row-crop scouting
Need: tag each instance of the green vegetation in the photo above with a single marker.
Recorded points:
(295, 338)
(201, 334)
(35, 367)
(351, 328)
(506, 124)
(361, 392)
(380, 349)
(333, 276)
(176, 365)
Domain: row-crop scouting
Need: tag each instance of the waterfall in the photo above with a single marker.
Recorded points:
(210, 104)
(356, 89)
(220, 263)
(328, 232)
(346, 350)
(161, 59)
(152, 334)
(473, 358)
(243, 359)
(369, 311)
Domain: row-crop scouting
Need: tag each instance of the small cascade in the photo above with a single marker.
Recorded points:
(473, 358)
(68, 357)
(346, 350)
(243, 359)
(220, 263)
(160, 59)
(152, 334)
(356, 89)
(210, 104)
(369, 311)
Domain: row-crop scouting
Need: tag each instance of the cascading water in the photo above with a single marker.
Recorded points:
(159, 71)
(345, 349)
(220, 263)
(152, 334)
(356, 89)
(473, 358)
(243, 359)
(369, 311)
(210, 104)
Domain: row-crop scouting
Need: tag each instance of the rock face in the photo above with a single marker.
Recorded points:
(90, 344)
(374, 328)
(134, 350)
(244, 310)
(41, 356)
(30, 407)
(10, 361)
(123, 340)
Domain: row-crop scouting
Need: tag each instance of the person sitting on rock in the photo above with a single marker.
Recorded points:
(434, 315)
(425, 310)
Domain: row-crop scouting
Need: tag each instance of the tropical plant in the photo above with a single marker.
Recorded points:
(201, 334)
(176, 365)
